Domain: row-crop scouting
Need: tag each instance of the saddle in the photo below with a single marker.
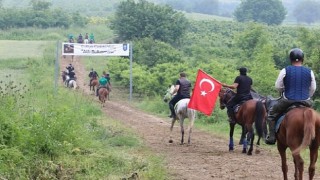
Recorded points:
(280, 117)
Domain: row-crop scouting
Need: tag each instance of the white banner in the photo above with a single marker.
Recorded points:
(95, 49)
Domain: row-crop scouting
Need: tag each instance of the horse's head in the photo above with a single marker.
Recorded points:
(225, 95)
(168, 96)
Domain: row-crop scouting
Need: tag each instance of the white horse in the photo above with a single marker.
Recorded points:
(70, 83)
(182, 112)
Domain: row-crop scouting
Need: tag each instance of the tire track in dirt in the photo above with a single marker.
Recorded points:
(207, 158)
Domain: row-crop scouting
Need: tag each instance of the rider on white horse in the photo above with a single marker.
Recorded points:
(182, 88)
(72, 76)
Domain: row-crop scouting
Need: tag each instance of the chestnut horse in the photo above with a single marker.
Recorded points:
(251, 111)
(94, 84)
(300, 128)
(103, 95)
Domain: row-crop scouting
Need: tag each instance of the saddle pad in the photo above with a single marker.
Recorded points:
(279, 121)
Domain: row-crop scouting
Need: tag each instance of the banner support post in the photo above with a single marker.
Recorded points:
(130, 56)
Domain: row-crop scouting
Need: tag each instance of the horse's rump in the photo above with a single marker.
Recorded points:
(298, 123)
(182, 110)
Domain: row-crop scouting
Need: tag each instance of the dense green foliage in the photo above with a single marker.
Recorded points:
(143, 19)
(39, 15)
(271, 12)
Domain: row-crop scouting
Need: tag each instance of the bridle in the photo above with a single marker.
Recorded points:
(224, 100)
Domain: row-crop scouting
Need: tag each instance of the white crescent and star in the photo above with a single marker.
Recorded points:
(204, 93)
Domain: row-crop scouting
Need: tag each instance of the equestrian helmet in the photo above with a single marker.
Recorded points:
(296, 54)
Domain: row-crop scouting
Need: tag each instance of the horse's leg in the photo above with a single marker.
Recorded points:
(190, 128)
(313, 159)
(182, 130)
(243, 135)
(171, 128)
(245, 140)
(231, 145)
(251, 135)
(298, 163)
(284, 166)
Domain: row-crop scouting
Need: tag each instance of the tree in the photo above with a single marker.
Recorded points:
(39, 5)
(307, 11)
(143, 19)
(271, 12)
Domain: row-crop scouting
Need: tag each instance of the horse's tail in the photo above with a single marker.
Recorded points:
(309, 119)
(259, 117)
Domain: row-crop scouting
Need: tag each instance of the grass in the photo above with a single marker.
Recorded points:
(11, 49)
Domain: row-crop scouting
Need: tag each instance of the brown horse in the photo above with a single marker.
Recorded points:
(300, 128)
(251, 111)
(94, 83)
(103, 95)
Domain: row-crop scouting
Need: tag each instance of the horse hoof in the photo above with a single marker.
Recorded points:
(249, 153)
(244, 151)
(257, 151)
(231, 149)
(170, 141)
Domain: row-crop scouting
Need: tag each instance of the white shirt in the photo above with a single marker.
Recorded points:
(280, 86)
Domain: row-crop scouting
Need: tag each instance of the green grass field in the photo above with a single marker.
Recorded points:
(21, 49)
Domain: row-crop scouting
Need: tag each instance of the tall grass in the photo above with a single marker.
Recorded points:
(63, 135)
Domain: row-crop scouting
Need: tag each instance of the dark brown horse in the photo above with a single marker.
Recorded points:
(103, 95)
(94, 84)
(251, 111)
(299, 129)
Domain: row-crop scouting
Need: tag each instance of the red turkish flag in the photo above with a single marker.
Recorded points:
(205, 93)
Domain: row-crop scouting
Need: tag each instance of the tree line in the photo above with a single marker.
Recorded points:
(40, 15)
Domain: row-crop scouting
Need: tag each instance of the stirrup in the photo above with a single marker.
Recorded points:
(269, 141)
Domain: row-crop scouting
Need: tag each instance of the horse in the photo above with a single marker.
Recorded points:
(182, 111)
(94, 83)
(64, 76)
(251, 111)
(73, 84)
(103, 95)
(299, 129)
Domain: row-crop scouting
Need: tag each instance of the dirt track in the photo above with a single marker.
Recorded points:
(206, 158)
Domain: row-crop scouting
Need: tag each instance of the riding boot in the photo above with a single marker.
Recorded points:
(173, 114)
(271, 138)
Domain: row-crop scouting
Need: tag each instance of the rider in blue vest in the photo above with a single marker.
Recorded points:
(182, 88)
(297, 85)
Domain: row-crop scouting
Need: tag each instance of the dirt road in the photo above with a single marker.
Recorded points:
(207, 158)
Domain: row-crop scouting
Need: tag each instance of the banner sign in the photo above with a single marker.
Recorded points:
(95, 49)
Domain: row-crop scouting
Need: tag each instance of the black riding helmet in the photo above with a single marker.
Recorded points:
(296, 54)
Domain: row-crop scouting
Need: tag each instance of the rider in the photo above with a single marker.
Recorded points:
(182, 88)
(86, 38)
(71, 38)
(102, 84)
(243, 85)
(107, 76)
(92, 75)
(91, 38)
(69, 68)
(72, 76)
(80, 40)
(297, 84)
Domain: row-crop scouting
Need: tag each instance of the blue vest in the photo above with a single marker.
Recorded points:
(297, 82)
